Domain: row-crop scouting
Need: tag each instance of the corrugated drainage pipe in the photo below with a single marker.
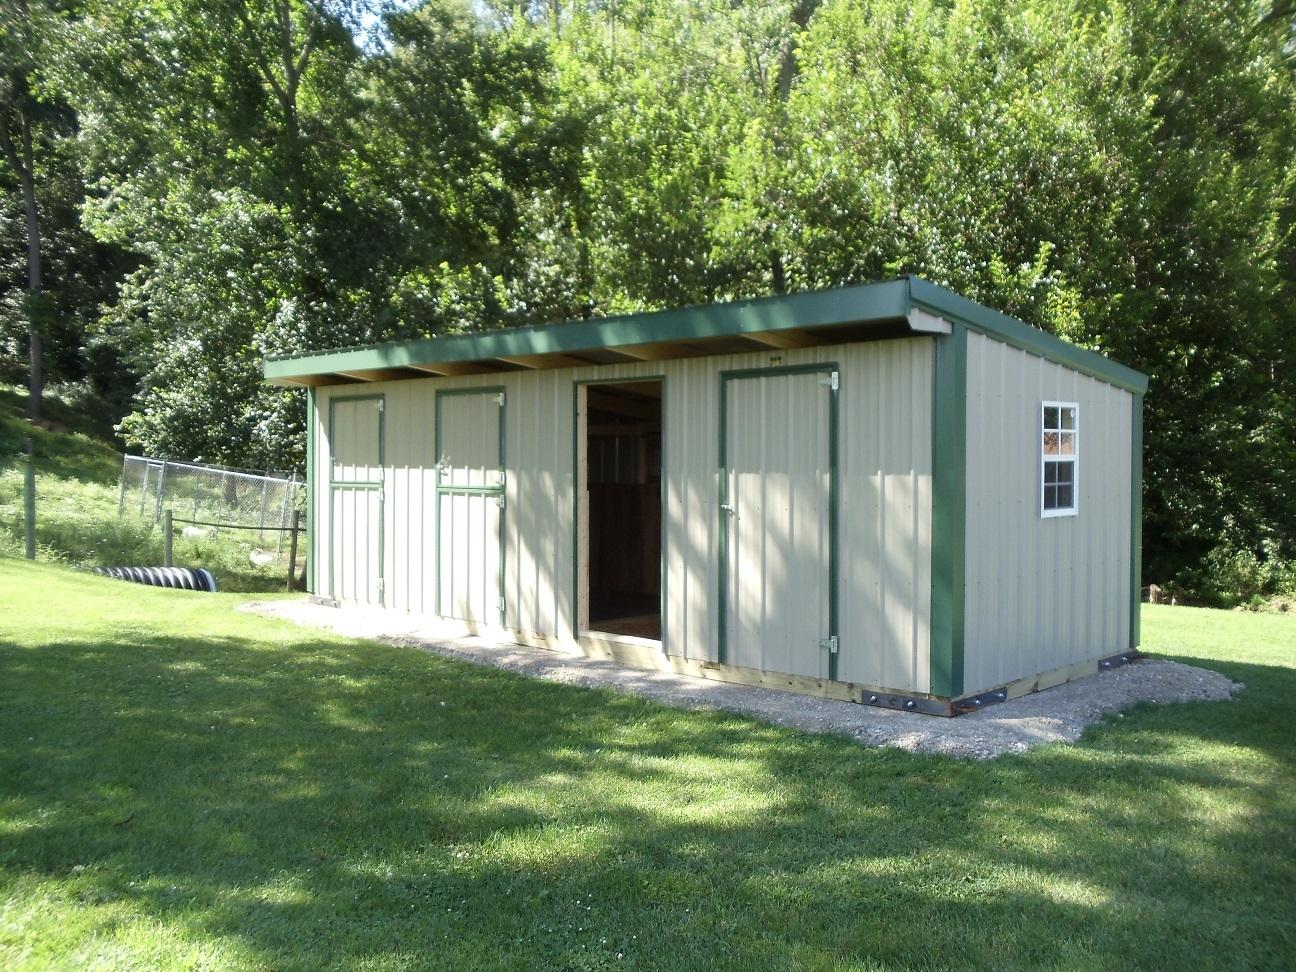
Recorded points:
(184, 578)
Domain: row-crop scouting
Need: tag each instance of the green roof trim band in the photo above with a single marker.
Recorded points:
(876, 303)
(985, 320)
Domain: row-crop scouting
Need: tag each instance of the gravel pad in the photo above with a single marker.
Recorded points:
(1058, 714)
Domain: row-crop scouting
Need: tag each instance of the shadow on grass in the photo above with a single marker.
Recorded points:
(328, 804)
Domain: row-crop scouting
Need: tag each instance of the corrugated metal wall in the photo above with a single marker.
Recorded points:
(885, 499)
(1042, 593)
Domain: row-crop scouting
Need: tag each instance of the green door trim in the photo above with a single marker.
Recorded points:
(360, 485)
(577, 384)
(722, 492)
(949, 511)
(446, 489)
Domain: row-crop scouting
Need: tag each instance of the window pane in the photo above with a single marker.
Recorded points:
(1051, 443)
(1050, 497)
(1066, 443)
(1051, 417)
(1068, 418)
(1065, 472)
(1064, 494)
(1050, 472)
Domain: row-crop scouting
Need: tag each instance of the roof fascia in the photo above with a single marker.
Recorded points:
(978, 317)
(849, 305)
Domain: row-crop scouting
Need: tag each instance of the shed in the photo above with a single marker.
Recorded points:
(884, 493)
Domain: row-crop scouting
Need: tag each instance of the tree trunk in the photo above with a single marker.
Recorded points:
(788, 67)
(26, 177)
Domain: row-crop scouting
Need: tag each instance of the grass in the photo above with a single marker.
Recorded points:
(183, 786)
(78, 466)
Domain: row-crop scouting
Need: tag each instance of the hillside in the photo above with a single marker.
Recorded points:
(78, 467)
(75, 441)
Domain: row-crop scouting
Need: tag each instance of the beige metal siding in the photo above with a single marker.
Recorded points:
(1042, 592)
(884, 490)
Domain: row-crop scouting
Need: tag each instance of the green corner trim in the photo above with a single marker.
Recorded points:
(312, 417)
(722, 494)
(949, 512)
(1136, 519)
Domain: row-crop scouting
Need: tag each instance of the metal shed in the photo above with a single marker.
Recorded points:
(885, 493)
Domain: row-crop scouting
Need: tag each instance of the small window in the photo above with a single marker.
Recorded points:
(1059, 459)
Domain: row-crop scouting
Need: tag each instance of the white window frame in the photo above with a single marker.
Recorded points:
(1045, 459)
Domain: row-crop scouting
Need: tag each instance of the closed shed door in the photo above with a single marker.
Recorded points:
(470, 504)
(356, 498)
(778, 523)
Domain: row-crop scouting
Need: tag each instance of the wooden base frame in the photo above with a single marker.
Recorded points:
(644, 653)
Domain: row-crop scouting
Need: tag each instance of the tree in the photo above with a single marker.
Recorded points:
(220, 165)
(23, 115)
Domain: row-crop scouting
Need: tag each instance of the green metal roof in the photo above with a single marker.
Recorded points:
(890, 308)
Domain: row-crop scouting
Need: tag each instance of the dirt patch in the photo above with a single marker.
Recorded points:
(1058, 714)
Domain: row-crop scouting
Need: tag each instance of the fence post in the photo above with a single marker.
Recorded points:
(168, 560)
(29, 497)
(265, 498)
(292, 549)
(121, 489)
(289, 501)
(161, 490)
(148, 466)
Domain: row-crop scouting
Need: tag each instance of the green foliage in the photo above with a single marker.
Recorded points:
(260, 182)
(183, 785)
(1230, 576)
(78, 468)
(1119, 176)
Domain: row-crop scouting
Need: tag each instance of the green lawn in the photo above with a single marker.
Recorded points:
(182, 786)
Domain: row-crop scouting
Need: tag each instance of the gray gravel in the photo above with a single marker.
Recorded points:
(1058, 714)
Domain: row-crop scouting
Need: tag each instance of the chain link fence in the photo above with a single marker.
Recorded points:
(221, 497)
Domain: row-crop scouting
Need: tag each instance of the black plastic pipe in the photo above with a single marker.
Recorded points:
(181, 578)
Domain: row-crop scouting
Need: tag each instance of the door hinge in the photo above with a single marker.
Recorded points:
(501, 398)
(380, 404)
(833, 380)
(499, 605)
(382, 587)
(830, 643)
(499, 501)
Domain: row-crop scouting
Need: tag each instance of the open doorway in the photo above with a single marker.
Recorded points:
(620, 516)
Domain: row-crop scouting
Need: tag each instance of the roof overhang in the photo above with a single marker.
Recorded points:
(895, 308)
